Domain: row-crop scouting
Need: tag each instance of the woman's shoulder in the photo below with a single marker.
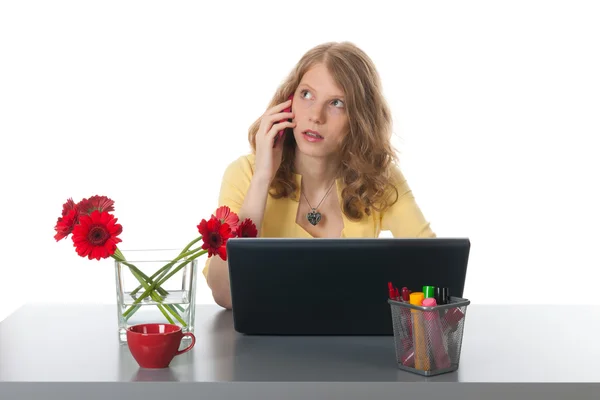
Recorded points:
(395, 175)
(396, 187)
(395, 182)
(240, 168)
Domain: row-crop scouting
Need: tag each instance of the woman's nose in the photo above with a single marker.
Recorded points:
(316, 115)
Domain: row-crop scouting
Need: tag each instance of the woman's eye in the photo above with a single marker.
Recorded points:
(305, 94)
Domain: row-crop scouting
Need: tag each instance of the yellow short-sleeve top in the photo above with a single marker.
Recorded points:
(403, 219)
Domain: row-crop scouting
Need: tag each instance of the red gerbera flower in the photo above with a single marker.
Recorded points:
(100, 203)
(65, 224)
(96, 235)
(68, 206)
(226, 216)
(246, 229)
(215, 236)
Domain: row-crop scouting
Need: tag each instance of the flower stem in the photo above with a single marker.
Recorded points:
(150, 290)
(146, 278)
(156, 298)
(162, 310)
(167, 267)
(183, 264)
(176, 305)
(133, 312)
(158, 283)
(175, 314)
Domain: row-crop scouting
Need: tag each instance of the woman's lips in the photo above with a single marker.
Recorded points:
(312, 136)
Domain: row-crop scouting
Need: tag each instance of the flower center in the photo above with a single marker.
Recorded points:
(97, 235)
(215, 239)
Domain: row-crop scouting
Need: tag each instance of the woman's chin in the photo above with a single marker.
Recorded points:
(310, 150)
(313, 149)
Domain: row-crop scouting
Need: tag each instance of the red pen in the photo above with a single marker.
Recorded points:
(405, 294)
(408, 343)
(391, 292)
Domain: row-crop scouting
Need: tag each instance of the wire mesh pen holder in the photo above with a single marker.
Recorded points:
(428, 340)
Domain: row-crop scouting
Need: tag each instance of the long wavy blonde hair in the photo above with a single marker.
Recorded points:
(367, 155)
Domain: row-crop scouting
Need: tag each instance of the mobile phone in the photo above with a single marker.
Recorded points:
(280, 133)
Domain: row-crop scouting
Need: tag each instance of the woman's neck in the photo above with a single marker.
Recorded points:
(318, 173)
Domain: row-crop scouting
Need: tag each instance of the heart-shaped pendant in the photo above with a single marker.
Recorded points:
(313, 217)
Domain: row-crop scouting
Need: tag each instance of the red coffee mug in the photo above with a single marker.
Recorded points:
(155, 345)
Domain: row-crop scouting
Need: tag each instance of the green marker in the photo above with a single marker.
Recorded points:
(429, 291)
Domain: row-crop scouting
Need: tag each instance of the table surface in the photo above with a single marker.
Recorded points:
(502, 344)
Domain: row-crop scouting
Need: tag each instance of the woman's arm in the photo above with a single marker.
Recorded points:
(405, 218)
(253, 207)
(245, 189)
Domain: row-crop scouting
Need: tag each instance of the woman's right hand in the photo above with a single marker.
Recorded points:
(268, 158)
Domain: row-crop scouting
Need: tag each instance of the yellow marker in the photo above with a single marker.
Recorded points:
(420, 344)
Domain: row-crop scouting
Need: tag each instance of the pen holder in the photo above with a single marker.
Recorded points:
(428, 339)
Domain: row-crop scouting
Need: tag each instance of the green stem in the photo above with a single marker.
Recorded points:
(158, 283)
(121, 259)
(167, 267)
(191, 244)
(133, 312)
(175, 314)
(156, 298)
(162, 310)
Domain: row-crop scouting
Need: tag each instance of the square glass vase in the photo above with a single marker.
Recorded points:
(171, 300)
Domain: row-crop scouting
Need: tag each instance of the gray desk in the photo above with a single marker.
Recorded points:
(72, 352)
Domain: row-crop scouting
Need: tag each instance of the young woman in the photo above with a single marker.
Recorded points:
(333, 173)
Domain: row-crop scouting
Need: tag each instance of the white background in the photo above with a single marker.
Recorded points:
(495, 106)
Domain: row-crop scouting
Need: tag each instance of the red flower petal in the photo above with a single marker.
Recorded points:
(247, 229)
(214, 236)
(65, 224)
(100, 203)
(68, 206)
(222, 251)
(96, 235)
(226, 216)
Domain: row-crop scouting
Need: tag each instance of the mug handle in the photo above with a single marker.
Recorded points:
(190, 334)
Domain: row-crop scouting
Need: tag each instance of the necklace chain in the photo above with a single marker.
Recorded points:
(314, 208)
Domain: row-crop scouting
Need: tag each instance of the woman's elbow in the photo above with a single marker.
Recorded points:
(222, 299)
(217, 279)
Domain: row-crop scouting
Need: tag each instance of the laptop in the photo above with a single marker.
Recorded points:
(304, 286)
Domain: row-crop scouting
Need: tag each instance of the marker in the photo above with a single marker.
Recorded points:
(428, 291)
(391, 292)
(435, 336)
(421, 354)
(406, 316)
(442, 295)
(405, 294)
(405, 325)
(408, 358)
(452, 318)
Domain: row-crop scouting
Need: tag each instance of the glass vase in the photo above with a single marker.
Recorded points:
(152, 288)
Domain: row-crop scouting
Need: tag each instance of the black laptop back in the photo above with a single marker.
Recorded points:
(287, 286)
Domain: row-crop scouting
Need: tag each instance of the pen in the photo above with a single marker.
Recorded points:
(391, 291)
(407, 316)
(405, 326)
(420, 345)
(435, 336)
(442, 295)
(405, 294)
(428, 291)
(452, 318)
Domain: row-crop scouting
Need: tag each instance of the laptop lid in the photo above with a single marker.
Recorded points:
(291, 286)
